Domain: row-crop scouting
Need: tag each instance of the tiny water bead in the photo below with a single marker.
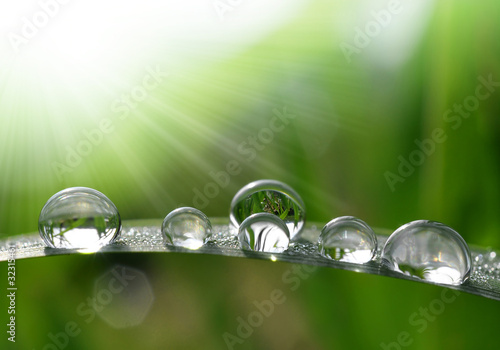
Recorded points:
(348, 239)
(79, 217)
(430, 251)
(272, 197)
(186, 227)
(264, 232)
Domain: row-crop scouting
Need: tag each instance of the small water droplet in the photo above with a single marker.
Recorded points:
(492, 256)
(428, 250)
(348, 239)
(264, 232)
(79, 217)
(268, 196)
(186, 227)
(479, 258)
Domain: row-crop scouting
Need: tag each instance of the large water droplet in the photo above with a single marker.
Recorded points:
(79, 217)
(264, 232)
(268, 196)
(428, 250)
(186, 227)
(348, 239)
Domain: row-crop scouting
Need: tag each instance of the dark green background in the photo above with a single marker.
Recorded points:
(353, 120)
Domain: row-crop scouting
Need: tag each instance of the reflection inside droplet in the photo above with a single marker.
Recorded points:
(348, 239)
(428, 250)
(186, 227)
(272, 197)
(265, 233)
(79, 217)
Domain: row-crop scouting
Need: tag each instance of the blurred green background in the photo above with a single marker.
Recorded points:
(148, 101)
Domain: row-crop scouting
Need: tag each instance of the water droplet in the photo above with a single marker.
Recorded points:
(348, 239)
(79, 217)
(264, 232)
(428, 250)
(186, 227)
(492, 256)
(268, 196)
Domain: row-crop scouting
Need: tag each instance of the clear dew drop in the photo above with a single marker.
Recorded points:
(79, 217)
(186, 227)
(264, 232)
(430, 251)
(348, 239)
(272, 197)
